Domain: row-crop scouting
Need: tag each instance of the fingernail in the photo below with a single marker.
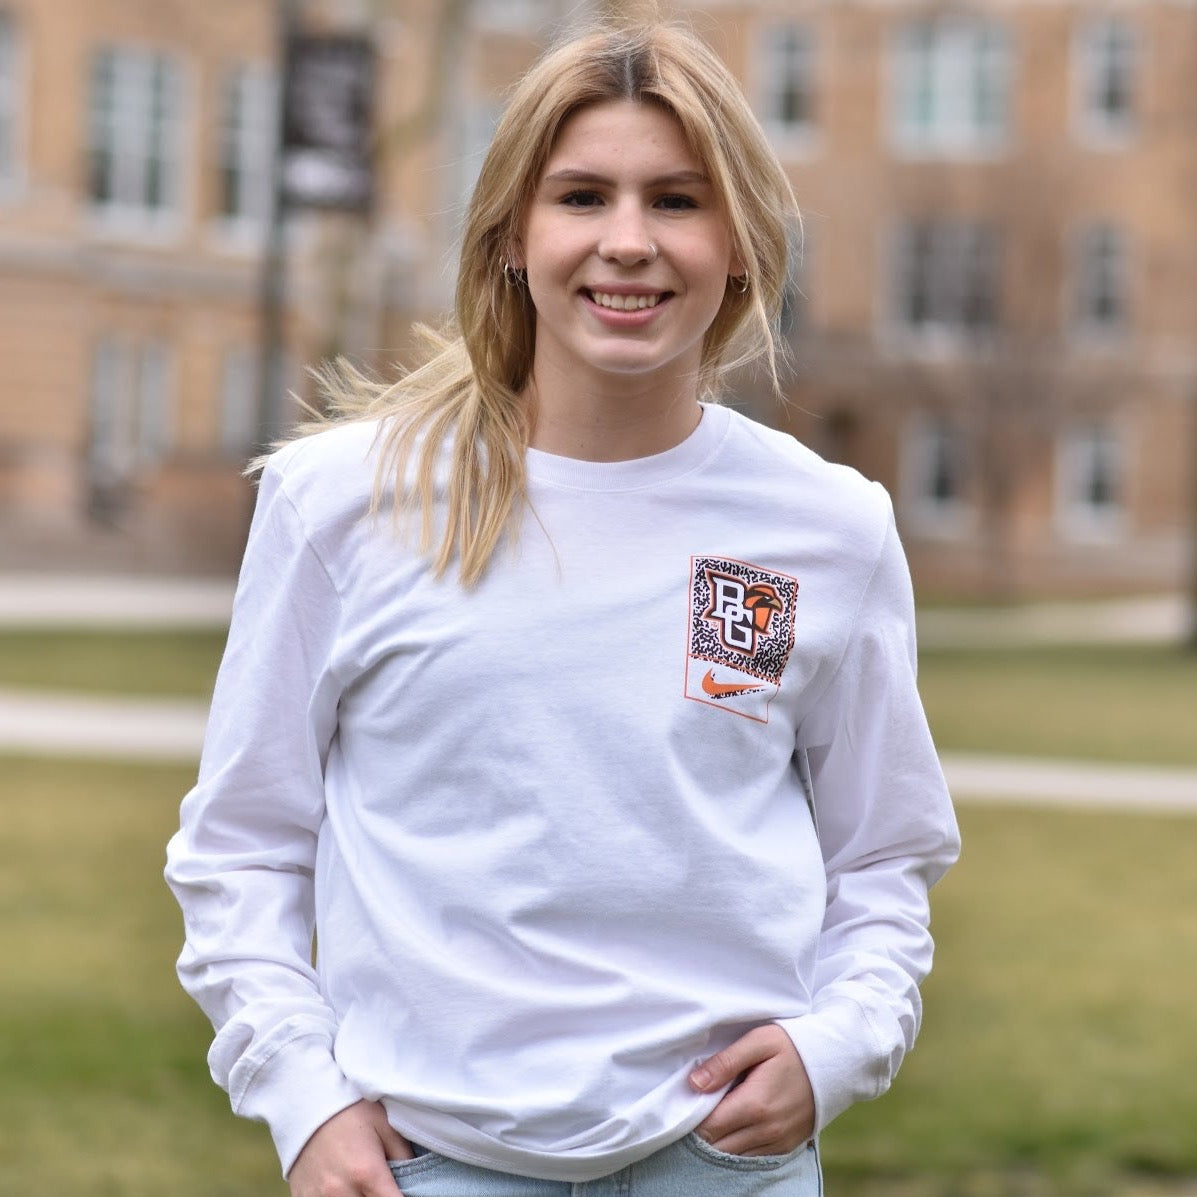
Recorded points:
(700, 1078)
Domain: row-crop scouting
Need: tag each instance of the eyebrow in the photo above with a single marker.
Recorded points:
(674, 178)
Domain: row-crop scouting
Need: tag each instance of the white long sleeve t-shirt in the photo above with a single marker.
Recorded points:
(662, 776)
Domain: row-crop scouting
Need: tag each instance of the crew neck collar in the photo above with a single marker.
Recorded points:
(637, 472)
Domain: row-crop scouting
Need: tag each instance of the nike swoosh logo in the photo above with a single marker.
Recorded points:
(725, 689)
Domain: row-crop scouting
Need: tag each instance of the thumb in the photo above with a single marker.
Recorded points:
(723, 1067)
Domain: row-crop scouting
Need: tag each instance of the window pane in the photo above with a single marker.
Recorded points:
(788, 99)
(1101, 280)
(953, 82)
(1109, 67)
(245, 143)
(1092, 480)
(948, 276)
(102, 126)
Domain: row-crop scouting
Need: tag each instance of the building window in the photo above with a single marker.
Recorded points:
(787, 88)
(10, 100)
(1090, 482)
(154, 414)
(946, 278)
(933, 476)
(1101, 283)
(135, 132)
(131, 415)
(1107, 64)
(238, 404)
(245, 149)
(952, 79)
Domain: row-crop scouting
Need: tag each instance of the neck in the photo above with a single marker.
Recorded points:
(595, 420)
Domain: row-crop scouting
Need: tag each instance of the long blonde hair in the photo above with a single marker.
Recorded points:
(467, 397)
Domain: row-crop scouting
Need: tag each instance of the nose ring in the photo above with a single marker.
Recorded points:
(653, 251)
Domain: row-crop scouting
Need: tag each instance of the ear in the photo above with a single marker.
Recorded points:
(515, 255)
(735, 266)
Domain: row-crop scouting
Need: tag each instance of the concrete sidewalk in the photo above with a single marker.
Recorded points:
(173, 729)
(110, 601)
(1159, 619)
(70, 725)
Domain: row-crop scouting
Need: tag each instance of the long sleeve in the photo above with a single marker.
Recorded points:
(241, 864)
(887, 834)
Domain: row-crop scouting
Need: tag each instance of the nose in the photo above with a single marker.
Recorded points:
(625, 235)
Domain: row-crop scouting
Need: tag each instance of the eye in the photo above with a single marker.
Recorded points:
(581, 199)
(677, 203)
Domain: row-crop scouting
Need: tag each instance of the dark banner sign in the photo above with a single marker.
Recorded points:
(328, 103)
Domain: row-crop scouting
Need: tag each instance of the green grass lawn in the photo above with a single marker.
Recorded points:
(1056, 1057)
(1112, 703)
(103, 1086)
(170, 663)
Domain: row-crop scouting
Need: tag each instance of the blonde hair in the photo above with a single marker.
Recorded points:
(467, 395)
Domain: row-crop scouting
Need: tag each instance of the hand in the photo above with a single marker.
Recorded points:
(347, 1156)
(772, 1110)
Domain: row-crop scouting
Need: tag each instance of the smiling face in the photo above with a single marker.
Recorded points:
(627, 252)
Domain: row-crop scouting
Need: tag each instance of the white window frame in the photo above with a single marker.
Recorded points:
(1101, 277)
(246, 136)
(1082, 448)
(947, 287)
(786, 57)
(110, 451)
(126, 131)
(132, 408)
(931, 445)
(952, 87)
(1104, 46)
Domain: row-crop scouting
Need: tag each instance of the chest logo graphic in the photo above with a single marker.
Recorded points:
(741, 632)
(740, 613)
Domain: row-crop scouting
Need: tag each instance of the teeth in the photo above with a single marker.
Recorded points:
(625, 303)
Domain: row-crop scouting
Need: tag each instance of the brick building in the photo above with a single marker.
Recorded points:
(999, 279)
(993, 313)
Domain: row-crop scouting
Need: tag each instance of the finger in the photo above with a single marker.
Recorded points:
(740, 1111)
(766, 1136)
(394, 1145)
(723, 1067)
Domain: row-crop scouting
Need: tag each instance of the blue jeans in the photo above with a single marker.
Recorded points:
(687, 1168)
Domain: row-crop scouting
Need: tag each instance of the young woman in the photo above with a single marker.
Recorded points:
(610, 796)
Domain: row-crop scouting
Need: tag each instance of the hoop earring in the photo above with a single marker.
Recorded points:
(511, 276)
(740, 283)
